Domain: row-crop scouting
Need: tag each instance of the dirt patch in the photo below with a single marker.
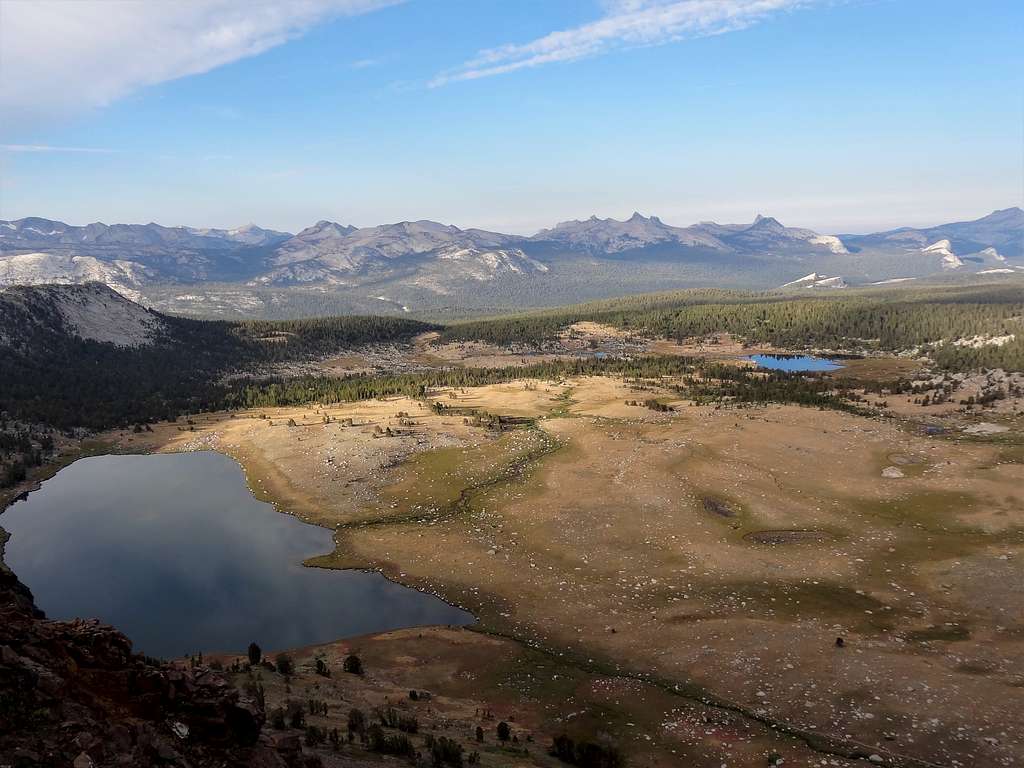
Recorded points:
(944, 632)
(905, 460)
(788, 537)
(717, 507)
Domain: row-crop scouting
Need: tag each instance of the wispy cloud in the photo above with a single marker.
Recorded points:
(49, 148)
(366, 63)
(627, 23)
(63, 56)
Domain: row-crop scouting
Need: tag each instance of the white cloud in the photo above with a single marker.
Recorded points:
(49, 148)
(626, 23)
(365, 63)
(59, 57)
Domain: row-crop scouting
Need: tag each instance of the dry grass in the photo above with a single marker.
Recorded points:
(588, 535)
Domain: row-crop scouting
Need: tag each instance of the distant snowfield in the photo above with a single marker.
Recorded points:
(831, 242)
(814, 280)
(392, 301)
(944, 249)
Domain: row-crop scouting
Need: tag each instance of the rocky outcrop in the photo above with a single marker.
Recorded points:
(72, 693)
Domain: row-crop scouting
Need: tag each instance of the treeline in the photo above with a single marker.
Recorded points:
(321, 389)
(728, 384)
(870, 320)
(22, 447)
(298, 339)
(1008, 356)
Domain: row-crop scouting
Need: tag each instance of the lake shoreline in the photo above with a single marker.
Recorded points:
(240, 574)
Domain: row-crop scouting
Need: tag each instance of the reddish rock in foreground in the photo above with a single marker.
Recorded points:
(72, 693)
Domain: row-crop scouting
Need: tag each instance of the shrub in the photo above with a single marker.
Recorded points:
(285, 665)
(445, 751)
(586, 754)
(386, 744)
(353, 665)
(356, 721)
(315, 736)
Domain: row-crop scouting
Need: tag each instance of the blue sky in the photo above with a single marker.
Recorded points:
(843, 116)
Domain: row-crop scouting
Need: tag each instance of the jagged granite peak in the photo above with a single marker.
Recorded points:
(141, 260)
(767, 222)
(768, 235)
(597, 235)
(764, 234)
(325, 227)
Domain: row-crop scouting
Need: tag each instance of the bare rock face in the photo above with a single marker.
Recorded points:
(72, 693)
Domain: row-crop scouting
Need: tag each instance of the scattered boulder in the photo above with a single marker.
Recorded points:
(985, 428)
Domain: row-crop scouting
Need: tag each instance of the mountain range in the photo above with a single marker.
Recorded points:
(427, 265)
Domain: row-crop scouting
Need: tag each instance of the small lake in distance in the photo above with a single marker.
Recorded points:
(794, 363)
(174, 551)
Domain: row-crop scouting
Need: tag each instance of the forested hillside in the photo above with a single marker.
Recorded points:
(52, 376)
(868, 320)
(65, 375)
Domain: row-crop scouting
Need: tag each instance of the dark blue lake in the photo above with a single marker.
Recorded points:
(174, 550)
(794, 363)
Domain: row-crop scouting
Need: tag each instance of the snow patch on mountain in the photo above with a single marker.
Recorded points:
(249, 234)
(831, 242)
(814, 280)
(486, 265)
(991, 253)
(944, 249)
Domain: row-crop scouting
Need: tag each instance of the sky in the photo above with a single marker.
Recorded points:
(511, 115)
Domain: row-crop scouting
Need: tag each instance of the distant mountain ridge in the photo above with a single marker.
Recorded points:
(417, 263)
(1002, 230)
(329, 252)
